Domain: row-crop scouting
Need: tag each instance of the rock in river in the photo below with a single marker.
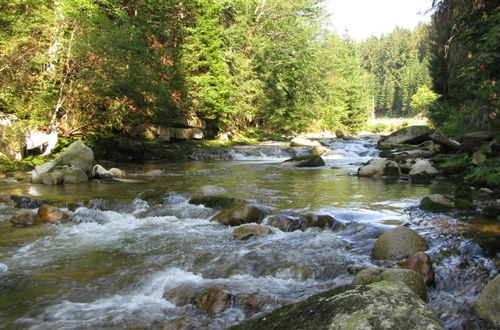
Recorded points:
(304, 161)
(214, 300)
(240, 213)
(379, 167)
(422, 264)
(488, 304)
(380, 305)
(411, 278)
(397, 243)
(245, 232)
(51, 214)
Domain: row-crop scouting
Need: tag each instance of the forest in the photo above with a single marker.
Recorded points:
(93, 67)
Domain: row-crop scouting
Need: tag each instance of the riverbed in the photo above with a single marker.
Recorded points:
(135, 248)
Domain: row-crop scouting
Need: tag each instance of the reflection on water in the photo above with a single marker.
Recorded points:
(133, 241)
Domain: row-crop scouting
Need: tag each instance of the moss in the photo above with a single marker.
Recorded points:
(427, 204)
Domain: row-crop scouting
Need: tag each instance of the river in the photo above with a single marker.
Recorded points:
(136, 250)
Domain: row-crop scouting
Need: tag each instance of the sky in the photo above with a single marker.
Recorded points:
(364, 18)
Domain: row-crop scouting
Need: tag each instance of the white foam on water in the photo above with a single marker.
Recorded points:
(145, 304)
(3, 268)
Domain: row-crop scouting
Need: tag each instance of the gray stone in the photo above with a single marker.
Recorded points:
(189, 121)
(164, 133)
(380, 305)
(488, 304)
(422, 170)
(187, 133)
(397, 243)
(379, 167)
(66, 167)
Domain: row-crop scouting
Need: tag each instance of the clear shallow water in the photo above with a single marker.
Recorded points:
(130, 242)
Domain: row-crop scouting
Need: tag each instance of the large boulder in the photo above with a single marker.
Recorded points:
(379, 167)
(304, 161)
(411, 278)
(380, 305)
(61, 175)
(67, 167)
(471, 141)
(245, 232)
(397, 243)
(422, 264)
(240, 213)
(488, 304)
(410, 135)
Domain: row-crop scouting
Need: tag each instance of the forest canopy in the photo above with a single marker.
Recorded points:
(100, 67)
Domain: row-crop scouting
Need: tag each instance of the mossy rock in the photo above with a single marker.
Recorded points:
(412, 279)
(240, 213)
(488, 304)
(381, 305)
(283, 222)
(397, 243)
(437, 203)
(492, 212)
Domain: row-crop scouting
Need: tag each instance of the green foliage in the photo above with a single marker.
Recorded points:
(465, 62)
(486, 174)
(422, 100)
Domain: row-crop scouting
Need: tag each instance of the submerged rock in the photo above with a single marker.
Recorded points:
(245, 232)
(488, 303)
(379, 167)
(397, 243)
(411, 278)
(283, 222)
(240, 213)
(25, 218)
(422, 264)
(214, 301)
(316, 220)
(51, 214)
(381, 305)
(304, 161)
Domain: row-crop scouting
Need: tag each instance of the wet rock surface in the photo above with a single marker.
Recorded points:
(397, 243)
(488, 304)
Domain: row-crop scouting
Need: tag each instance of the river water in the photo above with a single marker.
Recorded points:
(136, 250)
